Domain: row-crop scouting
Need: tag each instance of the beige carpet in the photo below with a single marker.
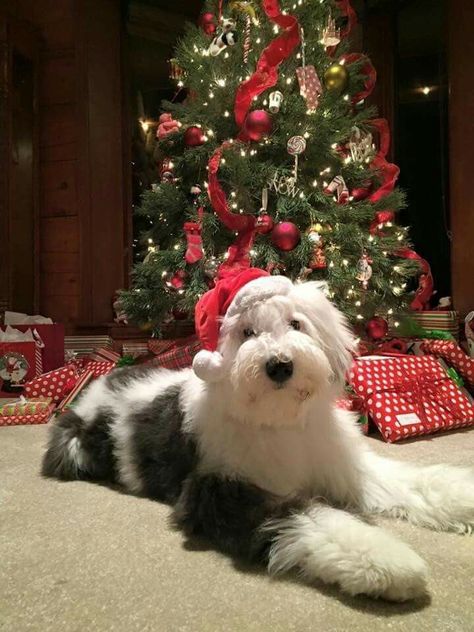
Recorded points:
(81, 557)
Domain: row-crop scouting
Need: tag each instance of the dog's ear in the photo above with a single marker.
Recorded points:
(335, 334)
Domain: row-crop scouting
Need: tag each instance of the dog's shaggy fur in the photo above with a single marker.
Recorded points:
(261, 462)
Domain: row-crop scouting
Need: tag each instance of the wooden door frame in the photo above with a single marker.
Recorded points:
(16, 35)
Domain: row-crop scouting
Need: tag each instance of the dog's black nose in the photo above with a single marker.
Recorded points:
(279, 371)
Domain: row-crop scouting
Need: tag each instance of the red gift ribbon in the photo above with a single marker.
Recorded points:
(266, 73)
(367, 69)
(423, 389)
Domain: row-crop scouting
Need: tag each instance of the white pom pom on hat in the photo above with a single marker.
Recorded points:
(231, 295)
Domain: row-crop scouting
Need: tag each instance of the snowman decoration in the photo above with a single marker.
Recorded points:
(13, 369)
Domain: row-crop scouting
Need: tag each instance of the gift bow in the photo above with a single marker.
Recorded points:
(421, 390)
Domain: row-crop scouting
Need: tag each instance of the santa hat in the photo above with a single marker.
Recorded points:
(230, 296)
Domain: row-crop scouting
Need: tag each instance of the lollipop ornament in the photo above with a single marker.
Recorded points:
(296, 145)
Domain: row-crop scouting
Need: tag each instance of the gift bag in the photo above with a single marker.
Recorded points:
(20, 360)
(408, 396)
(51, 335)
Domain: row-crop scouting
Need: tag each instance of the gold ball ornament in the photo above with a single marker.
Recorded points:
(146, 326)
(336, 78)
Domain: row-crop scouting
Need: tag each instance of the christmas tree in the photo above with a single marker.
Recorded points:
(273, 160)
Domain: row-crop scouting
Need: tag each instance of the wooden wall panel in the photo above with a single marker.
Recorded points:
(57, 80)
(64, 261)
(461, 139)
(60, 284)
(59, 125)
(59, 194)
(64, 308)
(100, 158)
(59, 234)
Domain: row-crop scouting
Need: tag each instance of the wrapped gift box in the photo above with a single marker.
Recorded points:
(26, 412)
(99, 368)
(55, 384)
(408, 396)
(437, 319)
(356, 404)
(176, 354)
(26, 406)
(453, 355)
(85, 345)
(81, 383)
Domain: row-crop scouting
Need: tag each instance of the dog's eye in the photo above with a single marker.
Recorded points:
(248, 333)
(295, 324)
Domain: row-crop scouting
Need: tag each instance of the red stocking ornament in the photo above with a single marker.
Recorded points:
(194, 251)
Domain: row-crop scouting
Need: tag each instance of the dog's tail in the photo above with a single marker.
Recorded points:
(77, 450)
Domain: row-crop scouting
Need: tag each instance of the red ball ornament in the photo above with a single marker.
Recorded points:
(207, 21)
(257, 125)
(264, 224)
(286, 236)
(193, 136)
(376, 328)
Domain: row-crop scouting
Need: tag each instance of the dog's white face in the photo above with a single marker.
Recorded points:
(282, 353)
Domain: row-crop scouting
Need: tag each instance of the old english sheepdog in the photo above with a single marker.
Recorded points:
(251, 451)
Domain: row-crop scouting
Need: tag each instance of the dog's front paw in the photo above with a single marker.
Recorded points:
(386, 568)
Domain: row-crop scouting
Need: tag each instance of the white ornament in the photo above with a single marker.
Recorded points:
(284, 185)
(364, 271)
(361, 145)
(275, 100)
(331, 35)
(227, 37)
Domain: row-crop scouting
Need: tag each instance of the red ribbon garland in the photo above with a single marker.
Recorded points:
(346, 10)
(367, 69)
(426, 281)
(388, 171)
(266, 74)
(237, 254)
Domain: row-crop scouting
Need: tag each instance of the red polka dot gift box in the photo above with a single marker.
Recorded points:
(55, 384)
(453, 355)
(99, 368)
(408, 396)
